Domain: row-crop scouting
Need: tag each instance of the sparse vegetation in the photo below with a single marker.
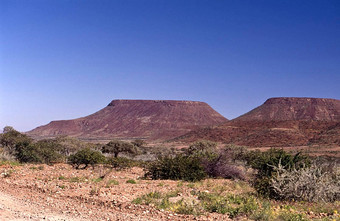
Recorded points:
(111, 182)
(287, 186)
(61, 178)
(76, 179)
(131, 181)
(97, 180)
(11, 163)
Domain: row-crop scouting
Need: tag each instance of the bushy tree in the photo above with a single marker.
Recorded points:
(27, 153)
(44, 151)
(7, 129)
(86, 157)
(10, 138)
(116, 146)
(49, 151)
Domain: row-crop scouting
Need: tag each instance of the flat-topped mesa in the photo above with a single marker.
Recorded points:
(161, 102)
(150, 119)
(279, 122)
(300, 100)
(293, 108)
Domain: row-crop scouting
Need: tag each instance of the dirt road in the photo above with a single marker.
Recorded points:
(12, 208)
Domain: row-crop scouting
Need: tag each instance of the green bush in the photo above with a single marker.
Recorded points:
(11, 138)
(39, 152)
(48, 151)
(120, 162)
(179, 167)
(86, 157)
(27, 153)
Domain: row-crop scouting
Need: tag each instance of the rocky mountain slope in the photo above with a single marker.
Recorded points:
(279, 122)
(150, 119)
(292, 108)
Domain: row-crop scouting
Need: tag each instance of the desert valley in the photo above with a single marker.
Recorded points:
(169, 110)
(177, 160)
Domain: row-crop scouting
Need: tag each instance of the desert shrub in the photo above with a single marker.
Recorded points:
(70, 145)
(48, 151)
(234, 152)
(120, 162)
(131, 181)
(221, 168)
(138, 143)
(265, 162)
(116, 146)
(155, 151)
(233, 205)
(201, 159)
(10, 138)
(27, 153)
(202, 149)
(163, 201)
(179, 167)
(6, 156)
(313, 184)
(86, 157)
(222, 165)
(40, 152)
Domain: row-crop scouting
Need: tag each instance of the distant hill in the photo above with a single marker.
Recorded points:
(279, 122)
(292, 108)
(150, 119)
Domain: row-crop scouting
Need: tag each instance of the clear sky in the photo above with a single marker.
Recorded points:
(63, 59)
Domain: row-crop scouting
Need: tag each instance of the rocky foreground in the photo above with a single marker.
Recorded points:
(59, 192)
(33, 192)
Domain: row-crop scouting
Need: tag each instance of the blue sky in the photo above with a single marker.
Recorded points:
(62, 59)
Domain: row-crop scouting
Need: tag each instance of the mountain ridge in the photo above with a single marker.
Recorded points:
(150, 119)
(278, 122)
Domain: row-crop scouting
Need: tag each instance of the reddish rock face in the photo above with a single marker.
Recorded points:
(279, 122)
(150, 119)
(287, 108)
